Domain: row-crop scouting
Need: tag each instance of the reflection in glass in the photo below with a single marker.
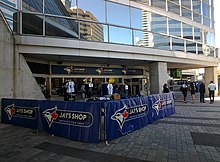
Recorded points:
(206, 21)
(207, 38)
(174, 27)
(206, 10)
(11, 16)
(161, 42)
(120, 35)
(198, 34)
(159, 3)
(196, 6)
(190, 47)
(93, 31)
(136, 18)
(61, 27)
(33, 6)
(187, 31)
(96, 8)
(212, 13)
(138, 38)
(172, 7)
(32, 24)
(55, 7)
(118, 14)
(186, 3)
(212, 39)
(158, 23)
(206, 50)
(186, 13)
(178, 44)
(199, 48)
(212, 51)
(145, 2)
(148, 39)
(197, 17)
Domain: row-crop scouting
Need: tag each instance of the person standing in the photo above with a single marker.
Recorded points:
(70, 89)
(65, 94)
(184, 89)
(202, 91)
(212, 89)
(165, 88)
(193, 91)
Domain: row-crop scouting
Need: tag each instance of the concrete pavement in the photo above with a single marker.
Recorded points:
(192, 134)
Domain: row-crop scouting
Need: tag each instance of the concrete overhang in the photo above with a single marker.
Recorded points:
(49, 46)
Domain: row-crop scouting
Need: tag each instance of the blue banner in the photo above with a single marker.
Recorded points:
(125, 116)
(74, 120)
(20, 112)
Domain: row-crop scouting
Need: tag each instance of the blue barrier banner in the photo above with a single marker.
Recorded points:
(125, 116)
(20, 112)
(74, 120)
(161, 105)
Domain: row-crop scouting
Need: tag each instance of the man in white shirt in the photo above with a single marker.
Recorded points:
(212, 89)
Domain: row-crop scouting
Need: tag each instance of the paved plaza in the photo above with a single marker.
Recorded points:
(192, 134)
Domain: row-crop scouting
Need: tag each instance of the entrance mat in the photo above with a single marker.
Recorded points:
(84, 154)
(188, 123)
(206, 139)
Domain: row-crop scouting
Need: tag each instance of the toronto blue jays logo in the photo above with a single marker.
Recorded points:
(120, 116)
(50, 115)
(10, 110)
(157, 106)
(129, 113)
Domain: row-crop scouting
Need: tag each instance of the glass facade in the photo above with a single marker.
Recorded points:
(111, 22)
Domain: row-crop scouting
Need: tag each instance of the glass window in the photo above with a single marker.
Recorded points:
(206, 21)
(175, 1)
(207, 38)
(213, 24)
(212, 13)
(62, 8)
(212, 4)
(172, 7)
(206, 10)
(137, 16)
(160, 42)
(187, 31)
(190, 47)
(178, 44)
(32, 24)
(159, 3)
(206, 1)
(93, 31)
(92, 9)
(138, 38)
(186, 13)
(174, 27)
(212, 51)
(196, 6)
(61, 27)
(158, 23)
(198, 34)
(113, 16)
(33, 6)
(120, 35)
(145, 2)
(186, 3)
(212, 39)
(197, 17)
(199, 48)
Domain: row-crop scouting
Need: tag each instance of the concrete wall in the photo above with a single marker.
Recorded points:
(16, 79)
(211, 74)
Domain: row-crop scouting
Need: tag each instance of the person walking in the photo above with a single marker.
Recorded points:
(184, 89)
(202, 91)
(193, 91)
(165, 88)
(212, 89)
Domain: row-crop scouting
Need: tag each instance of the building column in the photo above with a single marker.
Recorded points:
(211, 74)
(158, 76)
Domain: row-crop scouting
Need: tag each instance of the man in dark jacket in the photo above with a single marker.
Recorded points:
(202, 92)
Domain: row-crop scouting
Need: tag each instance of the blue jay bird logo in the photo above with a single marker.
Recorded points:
(10, 110)
(50, 115)
(157, 106)
(120, 116)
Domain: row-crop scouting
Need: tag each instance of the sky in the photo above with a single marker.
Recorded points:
(217, 22)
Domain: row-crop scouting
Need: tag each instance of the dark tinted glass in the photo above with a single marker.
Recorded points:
(32, 24)
(187, 31)
(61, 27)
(190, 47)
(32, 5)
(199, 48)
(198, 34)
